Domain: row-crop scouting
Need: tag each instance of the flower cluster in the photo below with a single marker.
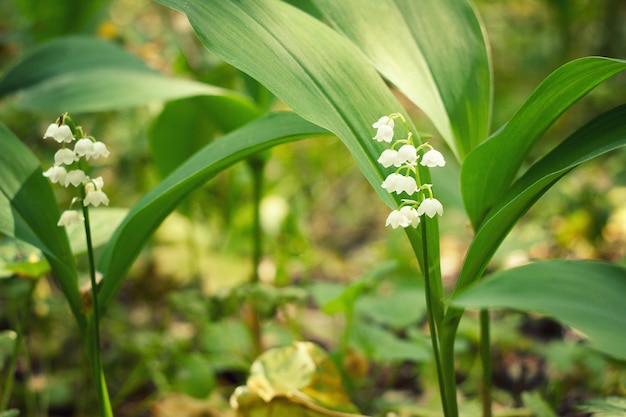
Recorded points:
(67, 166)
(406, 177)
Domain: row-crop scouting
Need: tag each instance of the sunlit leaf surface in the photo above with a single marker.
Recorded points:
(489, 170)
(605, 133)
(82, 74)
(588, 295)
(403, 39)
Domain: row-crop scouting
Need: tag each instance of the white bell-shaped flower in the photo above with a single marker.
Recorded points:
(388, 158)
(56, 174)
(411, 214)
(397, 183)
(385, 129)
(84, 147)
(407, 154)
(99, 149)
(75, 177)
(405, 217)
(65, 157)
(430, 207)
(433, 159)
(61, 133)
(397, 219)
(70, 217)
(95, 196)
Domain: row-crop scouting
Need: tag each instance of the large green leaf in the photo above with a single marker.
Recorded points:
(491, 167)
(314, 70)
(83, 74)
(404, 38)
(149, 212)
(30, 212)
(603, 134)
(317, 72)
(588, 295)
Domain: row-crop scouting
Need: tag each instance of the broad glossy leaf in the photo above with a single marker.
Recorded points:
(490, 169)
(603, 134)
(149, 212)
(33, 213)
(83, 74)
(314, 70)
(317, 72)
(447, 73)
(587, 295)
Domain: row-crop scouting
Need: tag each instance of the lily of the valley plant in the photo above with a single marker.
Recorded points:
(69, 169)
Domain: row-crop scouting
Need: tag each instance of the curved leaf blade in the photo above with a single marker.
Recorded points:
(83, 74)
(317, 72)
(603, 134)
(588, 295)
(30, 213)
(403, 39)
(149, 212)
(490, 168)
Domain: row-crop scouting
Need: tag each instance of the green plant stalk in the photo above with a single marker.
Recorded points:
(485, 357)
(8, 386)
(94, 325)
(257, 166)
(447, 338)
(448, 404)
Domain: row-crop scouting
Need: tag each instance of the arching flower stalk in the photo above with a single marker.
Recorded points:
(69, 170)
(406, 177)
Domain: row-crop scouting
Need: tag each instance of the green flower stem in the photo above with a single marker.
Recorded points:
(94, 326)
(485, 356)
(447, 338)
(447, 385)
